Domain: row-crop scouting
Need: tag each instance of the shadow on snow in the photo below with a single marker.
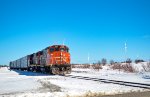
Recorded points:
(29, 73)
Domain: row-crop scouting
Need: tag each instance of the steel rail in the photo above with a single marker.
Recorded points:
(125, 83)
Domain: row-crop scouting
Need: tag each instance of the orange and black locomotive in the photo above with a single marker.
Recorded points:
(53, 59)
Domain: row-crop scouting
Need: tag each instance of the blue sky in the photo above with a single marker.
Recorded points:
(97, 27)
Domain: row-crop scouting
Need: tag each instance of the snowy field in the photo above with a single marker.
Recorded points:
(28, 84)
(107, 73)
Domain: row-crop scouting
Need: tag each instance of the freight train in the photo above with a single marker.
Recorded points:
(53, 59)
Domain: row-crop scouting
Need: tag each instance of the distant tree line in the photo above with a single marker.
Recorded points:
(104, 61)
(139, 60)
(3, 66)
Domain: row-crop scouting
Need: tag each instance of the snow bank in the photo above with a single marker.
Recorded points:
(12, 82)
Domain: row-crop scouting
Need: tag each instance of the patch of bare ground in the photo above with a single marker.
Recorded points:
(48, 87)
(131, 94)
(95, 67)
(10, 94)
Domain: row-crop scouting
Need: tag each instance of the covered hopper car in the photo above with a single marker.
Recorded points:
(54, 59)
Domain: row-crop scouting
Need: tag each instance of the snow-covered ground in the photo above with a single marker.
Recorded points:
(107, 73)
(28, 84)
(12, 82)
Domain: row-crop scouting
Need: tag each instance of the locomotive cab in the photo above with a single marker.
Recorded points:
(59, 59)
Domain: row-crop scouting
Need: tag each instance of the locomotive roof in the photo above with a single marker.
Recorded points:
(56, 45)
(59, 46)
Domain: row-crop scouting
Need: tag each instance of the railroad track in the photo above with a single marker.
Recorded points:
(125, 83)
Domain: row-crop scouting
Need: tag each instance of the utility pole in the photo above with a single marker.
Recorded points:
(125, 51)
(88, 58)
(125, 48)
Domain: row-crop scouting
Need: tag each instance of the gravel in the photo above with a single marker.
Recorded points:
(134, 94)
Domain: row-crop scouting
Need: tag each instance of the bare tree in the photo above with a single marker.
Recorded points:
(148, 65)
(138, 61)
(129, 61)
(112, 62)
(104, 61)
(99, 63)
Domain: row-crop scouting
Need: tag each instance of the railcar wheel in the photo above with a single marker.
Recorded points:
(55, 70)
(69, 72)
(42, 70)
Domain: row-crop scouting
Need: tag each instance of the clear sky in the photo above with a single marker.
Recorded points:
(97, 27)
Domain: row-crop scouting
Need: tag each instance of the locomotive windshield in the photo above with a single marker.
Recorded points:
(62, 49)
(59, 48)
(51, 49)
(67, 50)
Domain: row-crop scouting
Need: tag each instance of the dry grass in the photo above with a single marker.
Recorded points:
(128, 68)
(146, 67)
(124, 67)
(95, 67)
(88, 94)
(84, 66)
(116, 66)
